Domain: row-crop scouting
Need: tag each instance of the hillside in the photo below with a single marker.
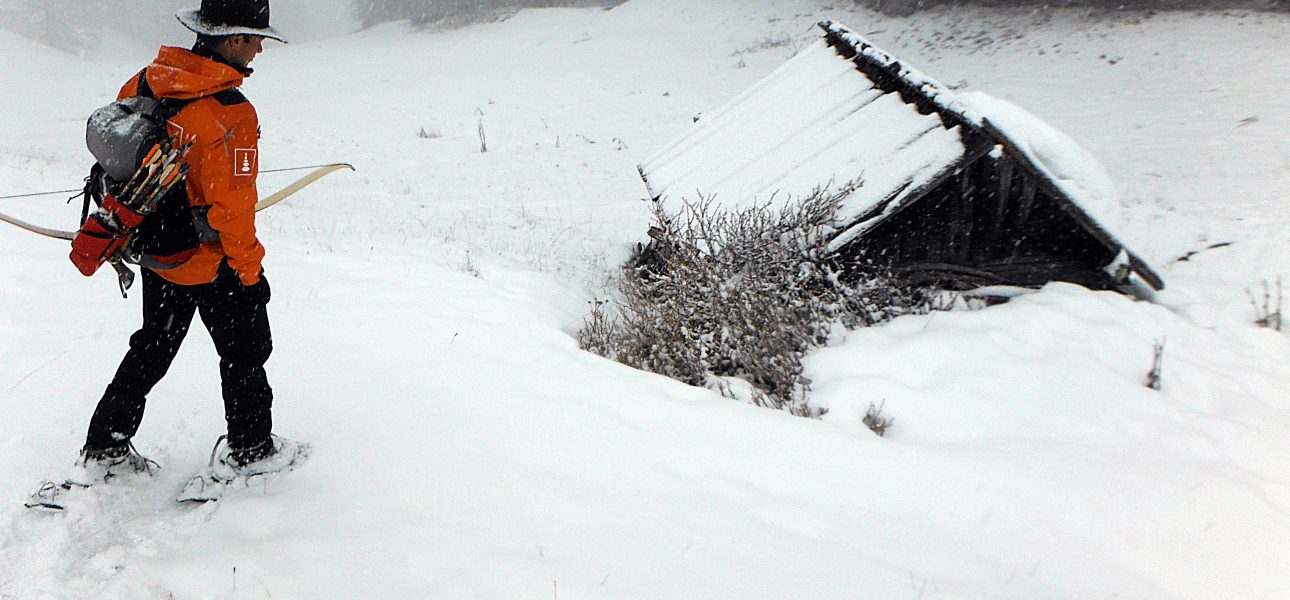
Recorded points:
(424, 311)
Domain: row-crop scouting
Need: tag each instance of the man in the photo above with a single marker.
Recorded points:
(222, 281)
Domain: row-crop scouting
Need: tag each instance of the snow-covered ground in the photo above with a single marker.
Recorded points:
(424, 308)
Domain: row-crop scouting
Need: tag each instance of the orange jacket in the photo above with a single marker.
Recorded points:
(223, 162)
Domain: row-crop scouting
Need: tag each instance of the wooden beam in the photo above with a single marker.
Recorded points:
(1003, 172)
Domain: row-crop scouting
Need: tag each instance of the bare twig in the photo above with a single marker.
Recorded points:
(1268, 312)
(1155, 379)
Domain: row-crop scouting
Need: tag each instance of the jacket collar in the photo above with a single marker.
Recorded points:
(183, 74)
(205, 51)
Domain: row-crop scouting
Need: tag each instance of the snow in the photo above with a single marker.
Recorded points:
(1074, 451)
(424, 308)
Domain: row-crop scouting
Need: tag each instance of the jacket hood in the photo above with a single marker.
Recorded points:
(183, 74)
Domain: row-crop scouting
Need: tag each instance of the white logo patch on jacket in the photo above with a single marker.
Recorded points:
(244, 164)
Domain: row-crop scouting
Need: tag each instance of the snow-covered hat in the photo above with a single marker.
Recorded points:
(230, 17)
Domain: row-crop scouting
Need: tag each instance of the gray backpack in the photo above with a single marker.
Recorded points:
(120, 136)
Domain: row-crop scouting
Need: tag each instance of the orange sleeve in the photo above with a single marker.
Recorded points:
(229, 165)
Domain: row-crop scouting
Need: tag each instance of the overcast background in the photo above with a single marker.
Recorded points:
(83, 26)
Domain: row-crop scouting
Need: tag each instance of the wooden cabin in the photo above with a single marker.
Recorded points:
(955, 190)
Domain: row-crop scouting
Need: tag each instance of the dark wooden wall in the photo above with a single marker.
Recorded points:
(990, 224)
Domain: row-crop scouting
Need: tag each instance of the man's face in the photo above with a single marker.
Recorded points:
(242, 49)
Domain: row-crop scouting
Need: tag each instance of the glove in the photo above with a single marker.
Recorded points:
(259, 292)
(227, 283)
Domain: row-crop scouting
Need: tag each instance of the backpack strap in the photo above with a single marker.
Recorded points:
(143, 89)
(93, 191)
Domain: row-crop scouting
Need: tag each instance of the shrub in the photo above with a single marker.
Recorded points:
(772, 41)
(740, 294)
(875, 420)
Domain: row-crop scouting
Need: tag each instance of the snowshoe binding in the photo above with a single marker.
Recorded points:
(231, 470)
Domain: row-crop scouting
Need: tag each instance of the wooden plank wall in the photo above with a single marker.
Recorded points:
(991, 223)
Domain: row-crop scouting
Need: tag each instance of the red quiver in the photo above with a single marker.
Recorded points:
(103, 234)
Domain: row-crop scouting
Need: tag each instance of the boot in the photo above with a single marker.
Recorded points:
(270, 456)
(100, 465)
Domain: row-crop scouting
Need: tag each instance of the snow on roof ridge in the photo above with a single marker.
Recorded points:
(931, 89)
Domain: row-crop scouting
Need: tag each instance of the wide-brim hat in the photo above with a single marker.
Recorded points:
(230, 17)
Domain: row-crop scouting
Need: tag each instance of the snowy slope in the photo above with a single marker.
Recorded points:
(423, 311)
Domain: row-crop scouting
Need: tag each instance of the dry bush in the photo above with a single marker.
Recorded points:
(876, 421)
(772, 41)
(599, 331)
(742, 294)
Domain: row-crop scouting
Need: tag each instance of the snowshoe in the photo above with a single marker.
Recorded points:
(232, 470)
(94, 468)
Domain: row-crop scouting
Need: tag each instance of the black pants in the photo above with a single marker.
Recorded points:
(238, 323)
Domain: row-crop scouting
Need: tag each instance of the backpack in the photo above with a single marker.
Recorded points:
(143, 216)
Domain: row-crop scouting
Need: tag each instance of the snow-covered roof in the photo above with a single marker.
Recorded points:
(844, 111)
(812, 122)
